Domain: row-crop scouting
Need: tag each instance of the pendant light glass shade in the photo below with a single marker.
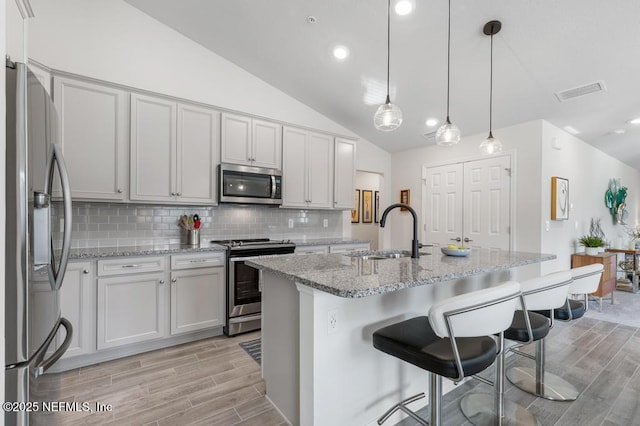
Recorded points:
(388, 117)
(448, 134)
(491, 145)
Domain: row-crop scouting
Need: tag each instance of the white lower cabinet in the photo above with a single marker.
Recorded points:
(131, 307)
(77, 304)
(197, 299)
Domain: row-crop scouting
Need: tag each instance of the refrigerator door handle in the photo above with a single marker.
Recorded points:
(56, 275)
(42, 365)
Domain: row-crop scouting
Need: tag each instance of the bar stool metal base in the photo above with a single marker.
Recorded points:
(479, 409)
(550, 387)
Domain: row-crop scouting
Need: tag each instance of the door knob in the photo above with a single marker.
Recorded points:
(467, 240)
(456, 239)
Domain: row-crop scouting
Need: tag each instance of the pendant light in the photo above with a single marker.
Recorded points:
(388, 116)
(448, 134)
(491, 145)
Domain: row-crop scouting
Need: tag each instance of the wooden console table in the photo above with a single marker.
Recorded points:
(608, 279)
(634, 274)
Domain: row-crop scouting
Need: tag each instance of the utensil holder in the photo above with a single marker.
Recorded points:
(193, 237)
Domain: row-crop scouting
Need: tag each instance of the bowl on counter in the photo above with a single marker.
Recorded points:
(458, 252)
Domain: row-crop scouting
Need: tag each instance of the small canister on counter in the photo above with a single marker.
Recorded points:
(193, 237)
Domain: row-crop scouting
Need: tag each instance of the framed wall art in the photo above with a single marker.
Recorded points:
(405, 198)
(367, 206)
(559, 198)
(355, 212)
(376, 207)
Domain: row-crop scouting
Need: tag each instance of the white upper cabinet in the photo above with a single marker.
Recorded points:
(251, 142)
(173, 151)
(94, 134)
(344, 178)
(307, 171)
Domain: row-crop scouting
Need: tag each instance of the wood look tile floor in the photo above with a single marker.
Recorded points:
(601, 359)
(208, 382)
(215, 382)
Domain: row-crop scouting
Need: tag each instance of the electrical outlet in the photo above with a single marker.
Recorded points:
(547, 225)
(290, 223)
(325, 223)
(332, 321)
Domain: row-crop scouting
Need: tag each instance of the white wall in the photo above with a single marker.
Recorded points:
(588, 171)
(522, 140)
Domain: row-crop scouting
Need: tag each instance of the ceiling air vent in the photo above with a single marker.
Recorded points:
(585, 89)
(430, 135)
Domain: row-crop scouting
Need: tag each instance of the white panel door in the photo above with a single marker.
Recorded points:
(197, 299)
(197, 154)
(443, 202)
(345, 168)
(294, 167)
(78, 305)
(153, 147)
(236, 139)
(320, 157)
(131, 309)
(487, 212)
(94, 133)
(267, 144)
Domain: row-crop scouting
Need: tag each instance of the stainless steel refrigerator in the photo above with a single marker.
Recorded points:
(36, 183)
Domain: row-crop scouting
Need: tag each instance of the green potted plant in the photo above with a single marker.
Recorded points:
(591, 244)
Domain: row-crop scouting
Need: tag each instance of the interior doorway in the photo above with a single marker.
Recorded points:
(368, 228)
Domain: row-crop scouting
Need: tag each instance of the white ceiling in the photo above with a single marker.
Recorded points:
(545, 46)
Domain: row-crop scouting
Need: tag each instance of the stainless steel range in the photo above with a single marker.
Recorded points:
(243, 281)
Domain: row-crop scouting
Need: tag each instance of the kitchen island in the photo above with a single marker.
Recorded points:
(320, 311)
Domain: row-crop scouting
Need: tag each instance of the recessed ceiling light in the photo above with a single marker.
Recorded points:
(431, 122)
(634, 121)
(311, 19)
(405, 7)
(340, 52)
(572, 130)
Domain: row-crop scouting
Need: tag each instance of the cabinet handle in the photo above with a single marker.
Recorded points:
(85, 271)
(198, 260)
(179, 194)
(335, 202)
(173, 280)
(173, 194)
(161, 281)
(130, 266)
(119, 191)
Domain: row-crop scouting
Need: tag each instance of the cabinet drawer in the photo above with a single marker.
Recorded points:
(130, 265)
(204, 260)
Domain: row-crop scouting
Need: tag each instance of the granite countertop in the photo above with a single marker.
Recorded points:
(205, 246)
(353, 277)
(328, 241)
(155, 249)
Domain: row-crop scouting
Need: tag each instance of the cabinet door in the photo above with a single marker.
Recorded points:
(197, 299)
(320, 157)
(153, 147)
(131, 309)
(294, 167)
(267, 144)
(236, 139)
(78, 305)
(94, 134)
(345, 169)
(197, 154)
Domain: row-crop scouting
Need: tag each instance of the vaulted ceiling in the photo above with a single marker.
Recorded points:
(544, 47)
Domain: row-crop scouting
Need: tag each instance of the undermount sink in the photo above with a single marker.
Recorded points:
(382, 255)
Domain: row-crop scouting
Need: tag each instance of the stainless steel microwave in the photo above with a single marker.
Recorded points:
(249, 185)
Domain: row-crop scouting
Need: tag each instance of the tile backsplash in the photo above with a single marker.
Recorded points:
(119, 225)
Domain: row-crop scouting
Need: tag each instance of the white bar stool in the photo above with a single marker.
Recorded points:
(452, 341)
(486, 409)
